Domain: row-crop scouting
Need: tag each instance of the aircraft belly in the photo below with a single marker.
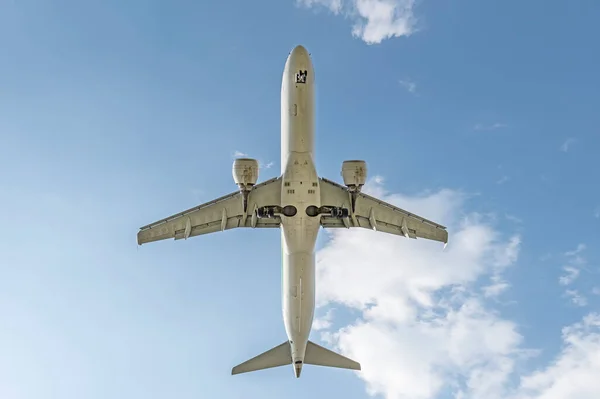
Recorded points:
(298, 298)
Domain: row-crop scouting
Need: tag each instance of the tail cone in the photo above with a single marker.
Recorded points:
(298, 368)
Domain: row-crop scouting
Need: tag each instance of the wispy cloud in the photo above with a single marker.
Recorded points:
(493, 126)
(567, 144)
(575, 263)
(597, 212)
(495, 289)
(580, 248)
(335, 6)
(503, 180)
(373, 20)
(409, 85)
(576, 298)
(513, 218)
(265, 165)
(238, 154)
(572, 274)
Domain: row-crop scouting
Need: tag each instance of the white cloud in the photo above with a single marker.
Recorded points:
(505, 256)
(574, 373)
(496, 288)
(596, 290)
(374, 20)
(580, 248)
(576, 297)
(324, 322)
(424, 330)
(493, 126)
(573, 267)
(265, 165)
(238, 154)
(335, 6)
(567, 144)
(572, 274)
(423, 323)
(597, 212)
(409, 85)
(383, 19)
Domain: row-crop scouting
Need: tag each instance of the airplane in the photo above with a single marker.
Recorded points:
(298, 202)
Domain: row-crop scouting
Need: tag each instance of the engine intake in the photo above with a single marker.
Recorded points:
(245, 175)
(245, 172)
(354, 174)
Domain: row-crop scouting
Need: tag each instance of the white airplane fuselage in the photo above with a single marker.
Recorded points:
(300, 188)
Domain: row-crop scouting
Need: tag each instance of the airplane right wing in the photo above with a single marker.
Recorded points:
(220, 214)
(362, 210)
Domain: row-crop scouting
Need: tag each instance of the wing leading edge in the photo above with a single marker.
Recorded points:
(372, 213)
(221, 214)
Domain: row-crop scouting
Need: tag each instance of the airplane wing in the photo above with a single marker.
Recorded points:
(220, 214)
(371, 213)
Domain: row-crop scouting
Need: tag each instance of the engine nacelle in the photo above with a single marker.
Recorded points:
(354, 174)
(245, 172)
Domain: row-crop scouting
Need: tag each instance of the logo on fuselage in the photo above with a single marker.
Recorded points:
(301, 76)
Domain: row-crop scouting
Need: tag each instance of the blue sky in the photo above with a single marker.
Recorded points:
(479, 114)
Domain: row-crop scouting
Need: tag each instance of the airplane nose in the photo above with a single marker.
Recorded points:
(299, 55)
(300, 51)
(299, 58)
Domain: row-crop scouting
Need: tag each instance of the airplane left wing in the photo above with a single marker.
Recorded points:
(361, 210)
(220, 214)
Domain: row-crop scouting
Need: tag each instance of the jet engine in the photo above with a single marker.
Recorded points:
(354, 174)
(245, 173)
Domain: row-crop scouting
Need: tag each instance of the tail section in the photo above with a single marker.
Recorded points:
(281, 356)
(278, 356)
(319, 356)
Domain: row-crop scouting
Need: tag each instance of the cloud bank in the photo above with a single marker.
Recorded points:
(422, 324)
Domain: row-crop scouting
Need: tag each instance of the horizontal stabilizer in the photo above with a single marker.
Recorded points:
(278, 356)
(319, 356)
